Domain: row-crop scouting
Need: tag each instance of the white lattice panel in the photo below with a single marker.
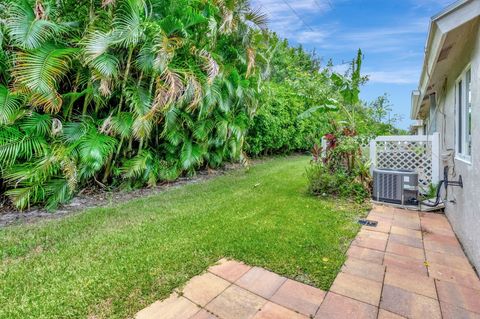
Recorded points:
(407, 155)
(418, 153)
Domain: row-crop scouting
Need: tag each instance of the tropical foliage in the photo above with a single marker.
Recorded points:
(296, 83)
(303, 100)
(341, 167)
(122, 91)
(127, 93)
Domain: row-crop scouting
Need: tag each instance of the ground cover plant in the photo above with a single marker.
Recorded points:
(110, 262)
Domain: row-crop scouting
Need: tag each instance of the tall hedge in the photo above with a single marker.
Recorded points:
(277, 128)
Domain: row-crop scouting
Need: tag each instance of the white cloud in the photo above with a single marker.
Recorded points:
(341, 68)
(315, 36)
(333, 37)
(294, 23)
(430, 3)
(393, 38)
(409, 76)
(275, 7)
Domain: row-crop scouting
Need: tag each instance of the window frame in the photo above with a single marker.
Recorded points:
(463, 109)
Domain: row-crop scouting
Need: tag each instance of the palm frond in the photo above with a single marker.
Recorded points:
(175, 136)
(139, 100)
(24, 195)
(94, 149)
(10, 106)
(15, 144)
(144, 167)
(96, 44)
(57, 192)
(128, 29)
(5, 55)
(257, 17)
(212, 30)
(120, 124)
(106, 3)
(105, 65)
(250, 61)
(142, 127)
(192, 17)
(171, 119)
(191, 155)
(39, 70)
(73, 132)
(228, 21)
(169, 89)
(203, 129)
(50, 102)
(25, 29)
(193, 93)
(172, 26)
(37, 124)
(146, 58)
(164, 48)
(210, 66)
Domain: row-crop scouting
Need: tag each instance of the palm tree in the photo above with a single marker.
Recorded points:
(140, 90)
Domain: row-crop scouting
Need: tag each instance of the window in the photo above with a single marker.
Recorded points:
(463, 116)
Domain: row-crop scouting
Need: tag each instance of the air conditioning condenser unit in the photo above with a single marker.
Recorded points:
(395, 186)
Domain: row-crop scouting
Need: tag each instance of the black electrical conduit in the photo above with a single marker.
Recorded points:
(437, 200)
(447, 183)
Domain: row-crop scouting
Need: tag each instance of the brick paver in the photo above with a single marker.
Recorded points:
(261, 282)
(299, 297)
(452, 312)
(357, 288)
(373, 256)
(202, 289)
(409, 304)
(173, 307)
(341, 307)
(274, 311)
(411, 281)
(403, 262)
(406, 240)
(383, 314)
(365, 269)
(410, 266)
(204, 314)
(236, 303)
(229, 270)
(404, 250)
(458, 295)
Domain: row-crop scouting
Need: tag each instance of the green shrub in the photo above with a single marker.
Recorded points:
(277, 129)
(323, 182)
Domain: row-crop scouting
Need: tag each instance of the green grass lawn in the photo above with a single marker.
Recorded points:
(111, 262)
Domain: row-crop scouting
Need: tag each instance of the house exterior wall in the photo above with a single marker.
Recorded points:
(463, 205)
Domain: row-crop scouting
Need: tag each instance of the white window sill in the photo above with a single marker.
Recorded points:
(463, 159)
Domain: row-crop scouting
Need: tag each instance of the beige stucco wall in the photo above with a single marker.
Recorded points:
(463, 205)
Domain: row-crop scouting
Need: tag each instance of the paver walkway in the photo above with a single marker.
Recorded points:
(409, 266)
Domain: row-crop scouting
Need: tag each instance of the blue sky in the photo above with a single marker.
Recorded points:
(391, 33)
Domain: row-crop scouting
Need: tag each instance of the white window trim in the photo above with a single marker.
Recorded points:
(462, 156)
